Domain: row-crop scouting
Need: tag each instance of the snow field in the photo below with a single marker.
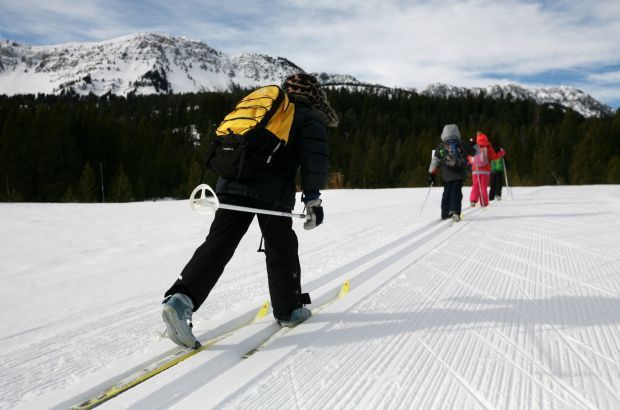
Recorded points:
(517, 306)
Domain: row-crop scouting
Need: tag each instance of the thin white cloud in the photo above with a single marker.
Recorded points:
(603, 87)
(67, 8)
(612, 77)
(56, 21)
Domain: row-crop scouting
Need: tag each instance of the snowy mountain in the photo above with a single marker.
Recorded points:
(566, 96)
(148, 63)
(515, 307)
(140, 64)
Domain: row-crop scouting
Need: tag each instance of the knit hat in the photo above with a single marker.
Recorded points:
(306, 88)
(481, 139)
(450, 132)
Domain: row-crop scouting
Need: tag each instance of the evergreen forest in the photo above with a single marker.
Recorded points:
(115, 149)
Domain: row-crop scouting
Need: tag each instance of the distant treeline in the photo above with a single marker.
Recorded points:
(64, 148)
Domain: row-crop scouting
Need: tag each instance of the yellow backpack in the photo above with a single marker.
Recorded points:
(247, 141)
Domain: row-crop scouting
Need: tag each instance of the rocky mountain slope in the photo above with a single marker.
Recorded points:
(149, 63)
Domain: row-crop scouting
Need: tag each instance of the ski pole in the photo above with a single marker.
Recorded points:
(430, 187)
(482, 205)
(506, 176)
(260, 211)
(424, 203)
(207, 205)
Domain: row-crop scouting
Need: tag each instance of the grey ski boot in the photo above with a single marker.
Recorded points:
(297, 316)
(177, 315)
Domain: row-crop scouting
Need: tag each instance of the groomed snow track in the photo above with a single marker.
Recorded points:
(517, 306)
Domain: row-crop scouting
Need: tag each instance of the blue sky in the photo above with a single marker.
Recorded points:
(392, 42)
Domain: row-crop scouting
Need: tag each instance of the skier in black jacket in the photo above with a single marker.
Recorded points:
(307, 153)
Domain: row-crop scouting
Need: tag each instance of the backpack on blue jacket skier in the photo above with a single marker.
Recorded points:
(451, 154)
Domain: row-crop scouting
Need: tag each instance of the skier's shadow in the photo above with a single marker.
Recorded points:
(516, 316)
(480, 217)
(563, 314)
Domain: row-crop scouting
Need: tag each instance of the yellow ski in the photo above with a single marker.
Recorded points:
(344, 289)
(162, 365)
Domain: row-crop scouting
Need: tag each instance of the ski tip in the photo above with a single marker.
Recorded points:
(262, 312)
(346, 286)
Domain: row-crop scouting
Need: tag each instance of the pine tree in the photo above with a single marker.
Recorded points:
(193, 179)
(587, 166)
(121, 189)
(69, 195)
(87, 186)
(613, 170)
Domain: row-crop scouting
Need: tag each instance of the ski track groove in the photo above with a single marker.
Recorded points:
(441, 400)
(566, 340)
(479, 397)
(516, 366)
(426, 395)
(54, 362)
(552, 270)
(505, 357)
(570, 345)
(530, 375)
(563, 255)
(536, 362)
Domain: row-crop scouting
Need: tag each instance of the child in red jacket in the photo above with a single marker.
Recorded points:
(481, 169)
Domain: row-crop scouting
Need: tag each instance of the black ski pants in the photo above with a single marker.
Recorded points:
(451, 198)
(495, 185)
(207, 264)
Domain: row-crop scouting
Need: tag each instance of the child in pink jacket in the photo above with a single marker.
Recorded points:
(481, 169)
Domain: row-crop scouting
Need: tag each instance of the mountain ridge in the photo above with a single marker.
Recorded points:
(150, 63)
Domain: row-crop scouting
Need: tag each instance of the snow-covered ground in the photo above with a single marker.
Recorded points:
(517, 306)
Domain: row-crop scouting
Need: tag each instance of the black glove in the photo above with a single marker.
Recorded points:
(314, 214)
(431, 178)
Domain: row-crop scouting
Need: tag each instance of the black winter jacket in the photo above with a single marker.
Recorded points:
(306, 151)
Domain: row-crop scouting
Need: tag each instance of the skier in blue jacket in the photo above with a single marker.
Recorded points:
(450, 157)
